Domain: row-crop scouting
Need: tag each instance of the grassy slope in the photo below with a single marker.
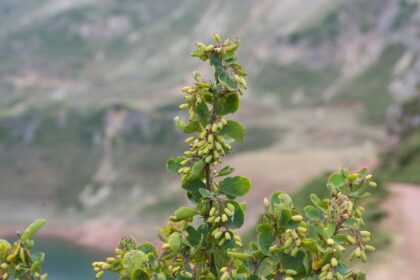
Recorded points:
(371, 87)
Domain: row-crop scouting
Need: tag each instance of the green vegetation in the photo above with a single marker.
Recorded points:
(373, 213)
(326, 30)
(371, 87)
(201, 242)
(284, 81)
(17, 261)
(401, 163)
(407, 8)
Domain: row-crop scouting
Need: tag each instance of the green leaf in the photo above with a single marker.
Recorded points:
(133, 260)
(31, 230)
(194, 236)
(147, 247)
(216, 60)
(174, 164)
(140, 274)
(336, 180)
(194, 186)
(235, 186)
(233, 130)
(307, 261)
(295, 263)
(285, 216)
(227, 104)
(206, 193)
(196, 169)
(203, 113)
(330, 230)
(265, 268)
(238, 216)
(185, 213)
(225, 171)
(4, 248)
(313, 213)
(174, 241)
(316, 201)
(239, 256)
(265, 237)
(191, 127)
(225, 79)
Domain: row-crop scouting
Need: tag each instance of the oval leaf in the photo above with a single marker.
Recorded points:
(233, 130)
(235, 186)
(184, 213)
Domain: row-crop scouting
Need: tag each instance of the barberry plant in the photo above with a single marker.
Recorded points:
(202, 242)
(17, 261)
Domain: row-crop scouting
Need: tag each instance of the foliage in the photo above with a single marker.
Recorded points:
(401, 161)
(372, 88)
(201, 242)
(17, 261)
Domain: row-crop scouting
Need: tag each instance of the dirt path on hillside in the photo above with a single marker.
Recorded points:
(402, 260)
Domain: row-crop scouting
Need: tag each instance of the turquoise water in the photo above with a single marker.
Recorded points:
(65, 261)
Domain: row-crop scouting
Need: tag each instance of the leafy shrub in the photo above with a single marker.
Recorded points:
(17, 261)
(202, 242)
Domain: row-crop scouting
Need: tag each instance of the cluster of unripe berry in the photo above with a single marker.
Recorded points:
(209, 146)
(100, 267)
(218, 220)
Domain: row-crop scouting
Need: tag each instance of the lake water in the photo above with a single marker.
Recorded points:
(65, 261)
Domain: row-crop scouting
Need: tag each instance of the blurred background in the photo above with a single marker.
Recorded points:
(89, 89)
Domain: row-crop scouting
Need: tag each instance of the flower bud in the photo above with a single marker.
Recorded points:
(334, 262)
(330, 276)
(294, 252)
(212, 211)
(357, 252)
(365, 233)
(225, 218)
(208, 159)
(330, 241)
(200, 45)
(183, 106)
(370, 248)
(351, 239)
(209, 48)
(297, 218)
(217, 38)
(266, 203)
(221, 242)
(231, 206)
(228, 236)
(98, 275)
(288, 242)
(228, 212)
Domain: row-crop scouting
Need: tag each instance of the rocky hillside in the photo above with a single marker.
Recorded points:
(87, 87)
